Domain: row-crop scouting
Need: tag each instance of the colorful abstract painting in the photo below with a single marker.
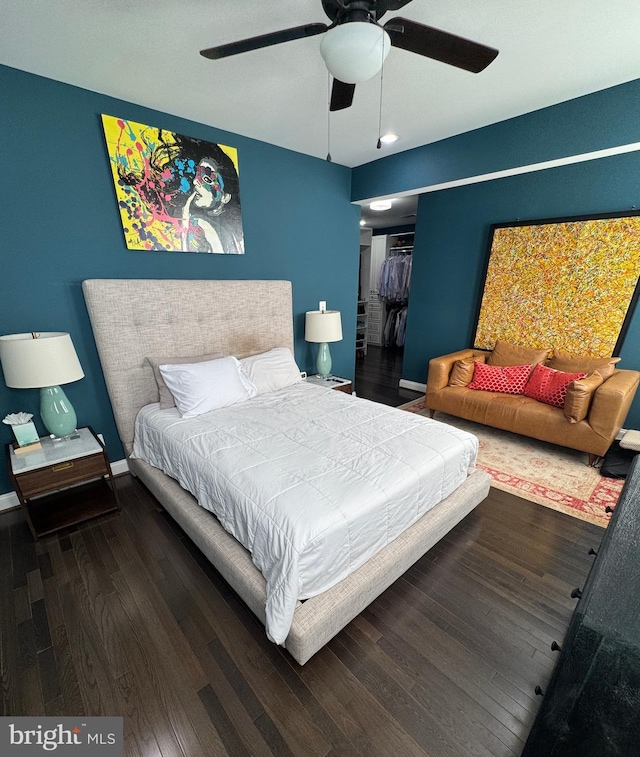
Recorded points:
(569, 285)
(174, 193)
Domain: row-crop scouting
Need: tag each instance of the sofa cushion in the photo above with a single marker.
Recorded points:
(563, 361)
(506, 353)
(579, 396)
(510, 379)
(549, 386)
(519, 414)
(462, 371)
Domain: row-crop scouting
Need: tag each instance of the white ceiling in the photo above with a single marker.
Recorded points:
(147, 52)
(402, 213)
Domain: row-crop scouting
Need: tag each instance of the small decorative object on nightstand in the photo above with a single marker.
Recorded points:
(331, 382)
(24, 431)
(64, 482)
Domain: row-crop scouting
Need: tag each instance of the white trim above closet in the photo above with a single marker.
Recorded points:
(608, 152)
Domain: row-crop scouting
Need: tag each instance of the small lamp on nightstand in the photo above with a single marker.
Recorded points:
(323, 326)
(44, 361)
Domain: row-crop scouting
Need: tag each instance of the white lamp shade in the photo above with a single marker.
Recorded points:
(355, 51)
(49, 360)
(322, 326)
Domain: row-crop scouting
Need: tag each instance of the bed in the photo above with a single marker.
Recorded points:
(133, 320)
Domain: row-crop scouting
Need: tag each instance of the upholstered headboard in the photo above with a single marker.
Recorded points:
(137, 318)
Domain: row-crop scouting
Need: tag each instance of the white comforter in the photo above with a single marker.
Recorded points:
(311, 481)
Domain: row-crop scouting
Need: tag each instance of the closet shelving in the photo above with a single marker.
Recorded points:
(374, 303)
(362, 319)
(401, 242)
(361, 328)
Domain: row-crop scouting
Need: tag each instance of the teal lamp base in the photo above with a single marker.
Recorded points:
(57, 412)
(323, 363)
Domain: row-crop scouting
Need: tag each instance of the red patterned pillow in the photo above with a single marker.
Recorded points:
(550, 386)
(510, 379)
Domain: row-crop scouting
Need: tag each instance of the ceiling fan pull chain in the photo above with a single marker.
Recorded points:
(329, 117)
(379, 145)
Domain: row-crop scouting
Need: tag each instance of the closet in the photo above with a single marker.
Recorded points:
(362, 318)
(373, 251)
(385, 277)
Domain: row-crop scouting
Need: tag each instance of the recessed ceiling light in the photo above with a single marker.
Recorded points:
(363, 222)
(388, 139)
(381, 205)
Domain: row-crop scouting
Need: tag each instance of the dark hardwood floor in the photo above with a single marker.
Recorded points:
(123, 616)
(378, 374)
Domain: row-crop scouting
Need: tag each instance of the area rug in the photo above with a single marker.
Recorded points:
(552, 476)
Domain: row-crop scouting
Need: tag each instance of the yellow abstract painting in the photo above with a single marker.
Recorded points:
(175, 193)
(567, 285)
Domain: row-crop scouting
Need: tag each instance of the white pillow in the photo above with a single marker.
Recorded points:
(272, 370)
(166, 398)
(200, 387)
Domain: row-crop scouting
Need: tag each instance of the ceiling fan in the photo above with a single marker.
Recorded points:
(349, 65)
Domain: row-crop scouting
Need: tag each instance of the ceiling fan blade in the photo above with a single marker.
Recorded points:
(263, 40)
(341, 95)
(439, 45)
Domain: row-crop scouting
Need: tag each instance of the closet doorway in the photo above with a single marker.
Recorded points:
(384, 286)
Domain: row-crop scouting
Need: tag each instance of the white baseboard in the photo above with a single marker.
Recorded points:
(10, 500)
(119, 467)
(406, 384)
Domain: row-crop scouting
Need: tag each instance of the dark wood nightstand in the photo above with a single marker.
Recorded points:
(64, 483)
(332, 382)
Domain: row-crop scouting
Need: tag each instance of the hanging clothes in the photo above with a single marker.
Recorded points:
(394, 279)
(395, 327)
(394, 282)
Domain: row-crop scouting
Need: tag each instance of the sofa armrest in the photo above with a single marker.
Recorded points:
(440, 368)
(611, 402)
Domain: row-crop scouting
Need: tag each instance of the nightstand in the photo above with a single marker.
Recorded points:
(64, 483)
(332, 382)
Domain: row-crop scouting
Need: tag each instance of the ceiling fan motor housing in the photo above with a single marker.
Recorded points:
(340, 11)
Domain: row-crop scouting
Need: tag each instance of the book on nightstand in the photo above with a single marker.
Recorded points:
(26, 448)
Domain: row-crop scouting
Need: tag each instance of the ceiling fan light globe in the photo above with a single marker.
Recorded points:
(355, 51)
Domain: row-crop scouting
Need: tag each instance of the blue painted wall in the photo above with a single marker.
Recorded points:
(604, 119)
(453, 225)
(452, 237)
(61, 222)
(61, 226)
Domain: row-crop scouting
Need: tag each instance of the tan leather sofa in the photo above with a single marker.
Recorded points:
(526, 416)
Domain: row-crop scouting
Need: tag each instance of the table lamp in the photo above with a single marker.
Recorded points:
(43, 361)
(323, 326)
